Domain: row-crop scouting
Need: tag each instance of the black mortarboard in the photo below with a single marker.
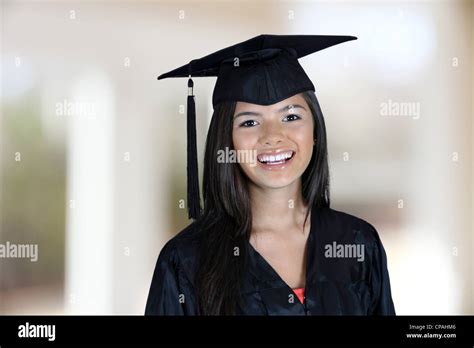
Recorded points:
(263, 70)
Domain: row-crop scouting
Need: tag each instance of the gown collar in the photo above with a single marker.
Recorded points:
(265, 276)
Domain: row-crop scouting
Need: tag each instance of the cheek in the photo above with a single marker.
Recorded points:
(304, 140)
(303, 137)
(244, 139)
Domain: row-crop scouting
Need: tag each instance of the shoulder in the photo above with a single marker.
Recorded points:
(183, 240)
(354, 253)
(174, 276)
(339, 225)
(181, 251)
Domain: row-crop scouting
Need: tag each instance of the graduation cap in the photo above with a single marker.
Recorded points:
(263, 70)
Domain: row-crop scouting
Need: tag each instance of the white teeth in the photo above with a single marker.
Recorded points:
(275, 158)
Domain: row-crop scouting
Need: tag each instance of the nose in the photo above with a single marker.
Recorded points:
(272, 133)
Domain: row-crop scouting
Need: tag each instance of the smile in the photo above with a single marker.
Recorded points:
(275, 159)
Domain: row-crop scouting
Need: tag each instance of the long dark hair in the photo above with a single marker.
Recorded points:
(226, 220)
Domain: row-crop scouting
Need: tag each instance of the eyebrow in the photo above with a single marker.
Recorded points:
(283, 109)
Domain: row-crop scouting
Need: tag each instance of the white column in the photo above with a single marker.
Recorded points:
(89, 237)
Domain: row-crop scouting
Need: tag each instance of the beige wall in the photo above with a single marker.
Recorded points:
(472, 158)
(404, 54)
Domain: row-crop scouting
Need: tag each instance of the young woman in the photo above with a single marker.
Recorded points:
(267, 241)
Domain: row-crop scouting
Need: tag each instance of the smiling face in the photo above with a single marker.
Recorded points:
(282, 136)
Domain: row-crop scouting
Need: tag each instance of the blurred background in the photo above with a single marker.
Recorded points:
(93, 147)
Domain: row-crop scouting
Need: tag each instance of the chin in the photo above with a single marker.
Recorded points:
(274, 181)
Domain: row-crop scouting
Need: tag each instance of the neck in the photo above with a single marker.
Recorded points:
(277, 209)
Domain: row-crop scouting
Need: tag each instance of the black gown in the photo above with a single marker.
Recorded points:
(334, 285)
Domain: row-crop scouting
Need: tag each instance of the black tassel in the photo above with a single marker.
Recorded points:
(194, 205)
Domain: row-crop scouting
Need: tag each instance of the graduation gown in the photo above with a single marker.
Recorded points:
(337, 283)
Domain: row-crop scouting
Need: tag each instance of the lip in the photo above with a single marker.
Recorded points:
(279, 166)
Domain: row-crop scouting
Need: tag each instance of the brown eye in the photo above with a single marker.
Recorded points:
(249, 123)
(291, 118)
